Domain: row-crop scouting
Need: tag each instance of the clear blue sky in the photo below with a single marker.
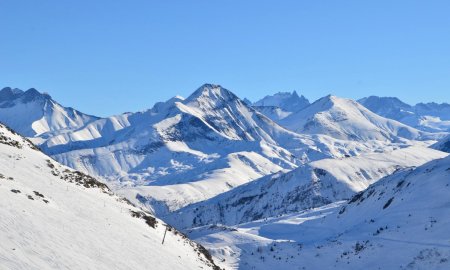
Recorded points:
(109, 56)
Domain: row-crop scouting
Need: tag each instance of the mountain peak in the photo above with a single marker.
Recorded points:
(9, 93)
(212, 92)
(32, 94)
(331, 100)
(290, 102)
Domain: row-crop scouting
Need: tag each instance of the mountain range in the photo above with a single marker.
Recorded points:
(210, 163)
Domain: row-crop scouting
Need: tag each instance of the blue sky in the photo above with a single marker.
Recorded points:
(107, 56)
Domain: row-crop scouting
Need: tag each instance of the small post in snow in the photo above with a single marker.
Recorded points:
(164, 236)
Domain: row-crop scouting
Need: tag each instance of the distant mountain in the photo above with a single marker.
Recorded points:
(55, 217)
(311, 185)
(430, 117)
(348, 120)
(33, 114)
(280, 105)
(287, 101)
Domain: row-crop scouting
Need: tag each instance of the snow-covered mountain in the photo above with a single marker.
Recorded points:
(183, 151)
(195, 148)
(400, 222)
(432, 117)
(34, 114)
(281, 105)
(53, 217)
(312, 185)
(348, 120)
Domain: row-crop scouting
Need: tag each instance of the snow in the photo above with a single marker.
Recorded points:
(48, 222)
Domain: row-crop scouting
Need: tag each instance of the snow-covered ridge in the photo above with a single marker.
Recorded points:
(431, 117)
(311, 185)
(347, 119)
(55, 217)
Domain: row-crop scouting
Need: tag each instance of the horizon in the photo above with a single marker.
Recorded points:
(130, 56)
(240, 97)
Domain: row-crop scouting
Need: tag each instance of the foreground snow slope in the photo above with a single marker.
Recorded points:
(311, 185)
(400, 222)
(55, 218)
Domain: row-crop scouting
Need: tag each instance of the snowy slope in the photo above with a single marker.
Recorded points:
(55, 218)
(34, 114)
(430, 117)
(348, 120)
(311, 185)
(400, 222)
